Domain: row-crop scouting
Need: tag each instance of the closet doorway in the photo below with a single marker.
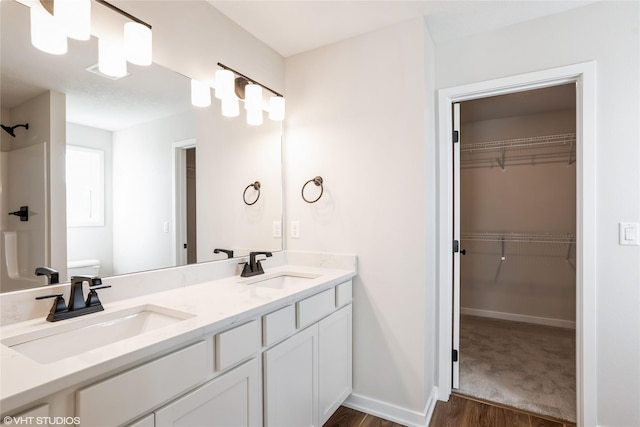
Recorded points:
(517, 228)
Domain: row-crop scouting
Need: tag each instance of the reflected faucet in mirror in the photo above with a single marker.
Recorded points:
(49, 272)
(229, 252)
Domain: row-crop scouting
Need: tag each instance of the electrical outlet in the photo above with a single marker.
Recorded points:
(295, 229)
(276, 228)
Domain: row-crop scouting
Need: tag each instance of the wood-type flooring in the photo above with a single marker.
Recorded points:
(459, 411)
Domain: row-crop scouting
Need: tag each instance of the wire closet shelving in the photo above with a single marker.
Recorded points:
(520, 151)
(504, 239)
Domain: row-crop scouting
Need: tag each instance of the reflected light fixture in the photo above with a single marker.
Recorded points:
(74, 17)
(137, 43)
(200, 94)
(229, 89)
(111, 59)
(52, 21)
(47, 34)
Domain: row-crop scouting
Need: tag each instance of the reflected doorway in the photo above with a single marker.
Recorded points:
(185, 202)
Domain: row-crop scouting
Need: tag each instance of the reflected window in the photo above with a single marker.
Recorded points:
(85, 187)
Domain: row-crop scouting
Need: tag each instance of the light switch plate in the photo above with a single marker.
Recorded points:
(295, 229)
(629, 233)
(277, 229)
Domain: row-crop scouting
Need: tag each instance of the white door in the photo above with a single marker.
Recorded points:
(291, 381)
(231, 400)
(455, 381)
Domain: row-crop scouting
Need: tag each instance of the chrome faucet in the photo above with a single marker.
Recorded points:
(78, 306)
(253, 267)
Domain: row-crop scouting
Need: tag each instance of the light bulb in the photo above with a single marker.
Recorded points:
(111, 60)
(75, 17)
(254, 117)
(253, 97)
(276, 108)
(46, 32)
(231, 107)
(200, 94)
(138, 43)
(225, 81)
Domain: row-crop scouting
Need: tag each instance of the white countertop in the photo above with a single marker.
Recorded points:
(215, 305)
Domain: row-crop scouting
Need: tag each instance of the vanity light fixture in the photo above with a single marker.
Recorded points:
(253, 104)
(137, 43)
(75, 17)
(230, 89)
(111, 59)
(47, 34)
(224, 84)
(276, 108)
(52, 21)
(200, 94)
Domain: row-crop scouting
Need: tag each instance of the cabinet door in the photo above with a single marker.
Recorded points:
(334, 357)
(291, 381)
(231, 400)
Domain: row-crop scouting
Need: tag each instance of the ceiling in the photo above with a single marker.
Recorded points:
(292, 27)
(314, 24)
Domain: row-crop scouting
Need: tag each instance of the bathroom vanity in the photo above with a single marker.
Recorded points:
(271, 350)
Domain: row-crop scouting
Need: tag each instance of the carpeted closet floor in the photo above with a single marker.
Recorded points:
(526, 366)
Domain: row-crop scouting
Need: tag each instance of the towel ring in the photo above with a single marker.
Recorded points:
(255, 186)
(318, 182)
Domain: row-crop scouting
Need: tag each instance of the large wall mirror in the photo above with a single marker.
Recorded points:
(122, 176)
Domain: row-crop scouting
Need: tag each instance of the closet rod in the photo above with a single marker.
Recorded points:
(520, 237)
(520, 143)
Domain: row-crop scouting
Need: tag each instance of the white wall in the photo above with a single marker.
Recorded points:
(142, 193)
(357, 116)
(608, 33)
(94, 242)
(230, 156)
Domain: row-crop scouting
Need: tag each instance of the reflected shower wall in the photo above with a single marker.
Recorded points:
(23, 245)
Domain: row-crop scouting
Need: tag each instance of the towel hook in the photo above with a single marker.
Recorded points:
(255, 186)
(318, 182)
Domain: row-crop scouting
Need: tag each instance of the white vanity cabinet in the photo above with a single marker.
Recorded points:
(285, 367)
(230, 400)
(308, 375)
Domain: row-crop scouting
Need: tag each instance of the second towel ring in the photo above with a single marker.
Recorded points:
(256, 186)
(318, 182)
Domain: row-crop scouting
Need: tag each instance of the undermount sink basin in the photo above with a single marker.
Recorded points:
(66, 340)
(280, 280)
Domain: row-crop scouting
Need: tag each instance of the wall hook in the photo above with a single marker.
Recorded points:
(318, 181)
(255, 186)
(23, 213)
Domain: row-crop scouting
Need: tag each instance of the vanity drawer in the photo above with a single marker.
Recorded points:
(162, 379)
(278, 325)
(236, 344)
(316, 307)
(344, 293)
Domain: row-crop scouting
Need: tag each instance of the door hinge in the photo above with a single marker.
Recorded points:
(456, 246)
(456, 136)
(454, 355)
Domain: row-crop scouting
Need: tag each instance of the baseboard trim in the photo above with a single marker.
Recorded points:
(559, 323)
(391, 412)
